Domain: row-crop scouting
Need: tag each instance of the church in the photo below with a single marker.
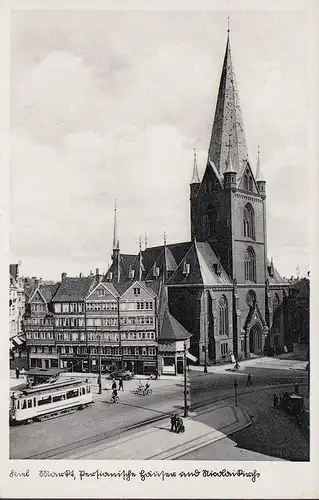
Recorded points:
(220, 285)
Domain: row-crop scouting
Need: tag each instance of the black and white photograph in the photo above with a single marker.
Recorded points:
(159, 250)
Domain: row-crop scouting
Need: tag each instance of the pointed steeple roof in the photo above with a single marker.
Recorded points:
(116, 243)
(195, 177)
(228, 121)
(259, 175)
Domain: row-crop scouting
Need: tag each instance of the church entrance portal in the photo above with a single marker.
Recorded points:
(255, 339)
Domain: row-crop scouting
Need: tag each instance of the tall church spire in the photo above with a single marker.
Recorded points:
(228, 122)
(195, 177)
(116, 243)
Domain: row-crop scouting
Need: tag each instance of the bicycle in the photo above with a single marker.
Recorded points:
(147, 391)
(114, 400)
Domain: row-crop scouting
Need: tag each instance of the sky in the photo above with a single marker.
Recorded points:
(109, 105)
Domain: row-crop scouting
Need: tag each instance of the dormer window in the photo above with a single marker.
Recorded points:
(156, 271)
(132, 273)
(217, 268)
(186, 269)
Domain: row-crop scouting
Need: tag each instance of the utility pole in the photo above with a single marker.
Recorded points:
(186, 386)
(205, 334)
(235, 387)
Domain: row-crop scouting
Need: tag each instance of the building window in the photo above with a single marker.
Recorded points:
(251, 298)
(36, 335)
(250, 183)
(74, 337)
(152, 351)
(275, 303)
(144, 351)
(43, 335)
(65, 308)
(136, 351)
(223, 316)
(29, 335)
(249, 221)
(224, 349)
(57, 308)
(136, 291)
(250, 265)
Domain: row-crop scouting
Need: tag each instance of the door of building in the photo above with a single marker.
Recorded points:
(255, 339)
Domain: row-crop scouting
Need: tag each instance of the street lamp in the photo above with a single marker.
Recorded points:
(235, 387)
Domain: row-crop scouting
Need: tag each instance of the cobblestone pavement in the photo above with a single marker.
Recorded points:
(102, 420)
(273, 434)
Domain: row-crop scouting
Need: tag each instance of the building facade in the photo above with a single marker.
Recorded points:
(221, 286)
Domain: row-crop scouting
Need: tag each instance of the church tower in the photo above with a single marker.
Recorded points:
(227, 208)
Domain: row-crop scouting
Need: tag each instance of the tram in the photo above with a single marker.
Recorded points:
(50, 400)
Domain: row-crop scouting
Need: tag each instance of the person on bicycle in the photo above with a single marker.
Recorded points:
(146, 388)
(114, 395)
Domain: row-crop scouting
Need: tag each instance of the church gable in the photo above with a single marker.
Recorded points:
(247, 182)
(211, 181)
(188, 271)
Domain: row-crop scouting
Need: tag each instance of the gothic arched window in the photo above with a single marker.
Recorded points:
(246, 182)
(249, 221)
(250, 265)
(223, 316)
(250, 183)
(211, 212)
(251, 298)
(275, 303)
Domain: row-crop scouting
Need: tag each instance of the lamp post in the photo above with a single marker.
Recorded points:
(185, 382)
(235, 387)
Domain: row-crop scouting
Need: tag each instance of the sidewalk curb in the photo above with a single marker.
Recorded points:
(209, 438)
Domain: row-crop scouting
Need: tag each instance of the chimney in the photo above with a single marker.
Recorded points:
(63, 276)
(36, 283)
(80, 275)
(97, 271)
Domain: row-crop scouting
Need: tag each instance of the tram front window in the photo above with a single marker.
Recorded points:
(24, 404)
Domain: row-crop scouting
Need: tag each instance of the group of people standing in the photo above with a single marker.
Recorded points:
(177, 424)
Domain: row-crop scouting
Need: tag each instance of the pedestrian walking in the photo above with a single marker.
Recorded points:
(249, 382)
(173, 422)
(17, 372)
(113, 385)
(297, 389)
(121, 385)
(275, 400)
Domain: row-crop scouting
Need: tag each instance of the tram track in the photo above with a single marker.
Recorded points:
(61, 452)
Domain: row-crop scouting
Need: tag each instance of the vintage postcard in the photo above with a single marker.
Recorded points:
(159, 186)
